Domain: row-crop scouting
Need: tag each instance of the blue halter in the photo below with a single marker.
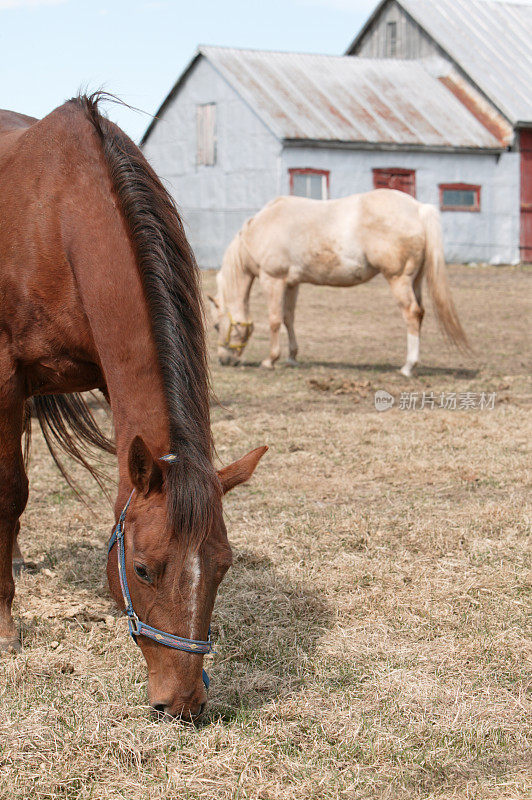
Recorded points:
(136, 627)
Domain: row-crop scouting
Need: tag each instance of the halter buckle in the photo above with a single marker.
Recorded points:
(134, 624)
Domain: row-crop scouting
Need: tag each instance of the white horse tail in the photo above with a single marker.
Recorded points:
(434, 269)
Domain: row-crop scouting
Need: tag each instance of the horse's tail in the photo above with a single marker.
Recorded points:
(436, 273)
(68, 424)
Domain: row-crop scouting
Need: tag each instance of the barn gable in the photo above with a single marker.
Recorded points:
(488, 42)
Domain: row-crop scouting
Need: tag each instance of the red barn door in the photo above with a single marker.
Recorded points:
(525, 139)
(404, 180)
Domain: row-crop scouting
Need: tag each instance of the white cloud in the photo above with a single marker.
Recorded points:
(29, 3)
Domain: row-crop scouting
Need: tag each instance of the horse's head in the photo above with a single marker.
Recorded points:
(233, 333)
(171, 587)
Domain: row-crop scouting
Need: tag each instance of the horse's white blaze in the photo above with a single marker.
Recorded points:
(195, 576)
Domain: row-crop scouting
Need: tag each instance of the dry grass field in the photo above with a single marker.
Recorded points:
(374, 634)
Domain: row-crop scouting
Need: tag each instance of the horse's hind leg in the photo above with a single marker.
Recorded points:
(13, 498)
(407, 292)
(288, 315)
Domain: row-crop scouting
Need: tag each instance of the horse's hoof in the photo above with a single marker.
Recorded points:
(10, 644)
(291, 362)
(17, 566)
(406, 371)
(267, 363)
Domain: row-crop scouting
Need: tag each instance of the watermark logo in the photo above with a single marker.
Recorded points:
(450, 401)
(383, 400)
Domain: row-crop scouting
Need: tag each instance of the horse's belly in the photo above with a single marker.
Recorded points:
(338, 272)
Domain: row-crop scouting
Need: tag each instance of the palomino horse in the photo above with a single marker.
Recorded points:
(99, 289)
(345, 242)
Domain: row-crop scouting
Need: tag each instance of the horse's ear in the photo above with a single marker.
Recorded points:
(145, 473)
(240, 471)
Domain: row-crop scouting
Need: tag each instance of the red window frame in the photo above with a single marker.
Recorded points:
(468, 187)
(383, 178)
(309, 171)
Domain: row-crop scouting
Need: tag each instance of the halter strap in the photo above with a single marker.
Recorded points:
(136, 626)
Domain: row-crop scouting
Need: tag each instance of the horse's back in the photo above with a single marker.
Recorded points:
(12, 126)
(12, 120)
(389, 212)
(289, 212)
(304, 240)
(340, 241)
(41, 161)
(45, 177)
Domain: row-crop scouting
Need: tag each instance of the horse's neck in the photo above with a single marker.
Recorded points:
(112, 295)
(236, 280)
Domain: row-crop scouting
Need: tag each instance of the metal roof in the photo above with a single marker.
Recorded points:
(490, 41)
(350, 100)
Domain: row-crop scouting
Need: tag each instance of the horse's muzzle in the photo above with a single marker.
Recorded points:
(166, 713)
(227, 358)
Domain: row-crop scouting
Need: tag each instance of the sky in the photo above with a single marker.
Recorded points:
(136, 49)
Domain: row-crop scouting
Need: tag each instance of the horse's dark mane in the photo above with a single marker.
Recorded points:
(170, 279)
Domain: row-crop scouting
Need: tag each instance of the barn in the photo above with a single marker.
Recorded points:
(488, 45)
(242, 126)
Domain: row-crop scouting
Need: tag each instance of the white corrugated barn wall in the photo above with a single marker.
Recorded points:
(492, 234)
(214, 200)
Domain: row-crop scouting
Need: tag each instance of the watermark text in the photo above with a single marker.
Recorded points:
(449, 401)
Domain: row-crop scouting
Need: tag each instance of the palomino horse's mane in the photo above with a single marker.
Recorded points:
(171, 284)
(229, 276)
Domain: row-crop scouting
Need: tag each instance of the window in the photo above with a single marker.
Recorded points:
(206, 134)
(459, 197)
(404, 180)
(391, 39)
(312, 183)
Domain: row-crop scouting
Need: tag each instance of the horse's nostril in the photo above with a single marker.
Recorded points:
(159, 710)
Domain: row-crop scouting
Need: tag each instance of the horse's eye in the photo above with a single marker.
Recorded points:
(217, 326)
(142, 573)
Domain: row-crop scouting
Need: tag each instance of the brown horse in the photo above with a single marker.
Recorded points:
(99, 290)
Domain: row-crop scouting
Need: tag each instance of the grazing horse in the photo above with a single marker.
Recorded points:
(344, 242)
(99, 290)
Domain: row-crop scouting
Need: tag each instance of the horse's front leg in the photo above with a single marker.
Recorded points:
(275, 289)
(13, 498)
(18, 558)
(289, 314)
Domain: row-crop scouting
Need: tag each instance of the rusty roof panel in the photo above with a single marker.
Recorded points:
(478, 106)
(347, 99)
